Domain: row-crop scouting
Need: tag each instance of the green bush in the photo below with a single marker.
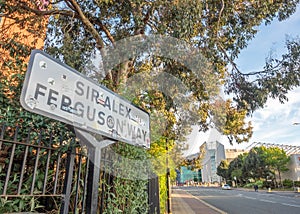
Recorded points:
(128, 192)
(259, 183)
(287, 183)
(297, 183)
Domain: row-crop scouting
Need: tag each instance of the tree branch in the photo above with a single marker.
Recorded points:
(228, 58)
(98, 22)
(219, 17)
(88, 24)
(45, 12)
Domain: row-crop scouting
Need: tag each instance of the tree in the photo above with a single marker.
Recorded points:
(218, 29)
(276, 159)
(235, 168)
(255, 166)
(79, 31)
(222, 170)
(259, 163)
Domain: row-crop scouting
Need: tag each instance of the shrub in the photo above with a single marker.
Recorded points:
(259, 183)
(297, 183)
(287, 183)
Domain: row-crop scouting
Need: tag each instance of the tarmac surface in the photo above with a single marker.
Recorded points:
(184, 203)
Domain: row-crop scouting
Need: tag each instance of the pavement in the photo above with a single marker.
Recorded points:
(184, 203)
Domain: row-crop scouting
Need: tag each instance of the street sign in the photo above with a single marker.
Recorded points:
(55, 90)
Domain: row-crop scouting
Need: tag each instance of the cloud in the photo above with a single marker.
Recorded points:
(274, 123)
(196, 139)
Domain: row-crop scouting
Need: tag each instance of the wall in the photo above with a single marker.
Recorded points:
(215, 153)
(294, 168)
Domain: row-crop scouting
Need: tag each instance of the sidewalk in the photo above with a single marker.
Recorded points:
(185, 203)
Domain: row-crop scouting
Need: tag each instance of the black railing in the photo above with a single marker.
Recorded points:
(46, 172)
(41, 170)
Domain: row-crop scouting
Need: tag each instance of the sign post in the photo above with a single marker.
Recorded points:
(94, 168)
(57, 91)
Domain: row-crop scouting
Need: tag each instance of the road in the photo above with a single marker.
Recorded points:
(248, 202)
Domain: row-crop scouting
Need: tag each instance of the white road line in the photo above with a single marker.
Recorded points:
(291, 205)
(263, 200)
(209, 205)
(250, 197)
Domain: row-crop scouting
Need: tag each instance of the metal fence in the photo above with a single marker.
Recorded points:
(49, 172)
(41, 171)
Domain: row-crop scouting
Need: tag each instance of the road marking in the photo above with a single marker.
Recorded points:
(291, 205)
(263, 200)
(249, 197)
(209, 205)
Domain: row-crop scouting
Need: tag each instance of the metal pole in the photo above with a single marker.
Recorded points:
(68, 181)
(93, 180)
(94, 150)
(169, 210)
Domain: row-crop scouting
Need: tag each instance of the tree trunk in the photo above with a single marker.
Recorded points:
(279, 175)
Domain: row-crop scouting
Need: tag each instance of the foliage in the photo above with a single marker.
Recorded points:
(163, 193)
(195, 163)
(127, 196)
(82, 29)
(23, 203)
(222, 170)
(279, 76)
(255, 164)
(251, 185)
(287, 183)
(78, 32)
(128, 192)
(276, 159)
(234, 168)
(232, 122)
(259, 163)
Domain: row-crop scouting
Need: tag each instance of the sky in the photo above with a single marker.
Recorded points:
(273, 123)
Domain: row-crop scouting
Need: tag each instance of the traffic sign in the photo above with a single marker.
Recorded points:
(56, 90)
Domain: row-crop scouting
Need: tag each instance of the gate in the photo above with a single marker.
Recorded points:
(49, 172)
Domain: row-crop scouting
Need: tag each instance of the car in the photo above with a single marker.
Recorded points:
(226, 186)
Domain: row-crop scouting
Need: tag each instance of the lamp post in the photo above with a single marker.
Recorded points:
(169, 210)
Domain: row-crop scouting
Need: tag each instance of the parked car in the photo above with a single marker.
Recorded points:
(226, 186)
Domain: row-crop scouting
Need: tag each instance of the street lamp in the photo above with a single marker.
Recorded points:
(169, 210)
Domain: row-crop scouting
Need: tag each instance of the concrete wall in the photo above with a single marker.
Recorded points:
(294, 168)
(215, 153)
(231, 154)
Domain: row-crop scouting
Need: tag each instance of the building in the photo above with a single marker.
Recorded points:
(214, 154)
(231, 154)
(17, 31)
(186, 175)
(294, 168)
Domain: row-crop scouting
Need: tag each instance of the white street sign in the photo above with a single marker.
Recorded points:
(55, 90)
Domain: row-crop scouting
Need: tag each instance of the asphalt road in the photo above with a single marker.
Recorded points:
(248, 202)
